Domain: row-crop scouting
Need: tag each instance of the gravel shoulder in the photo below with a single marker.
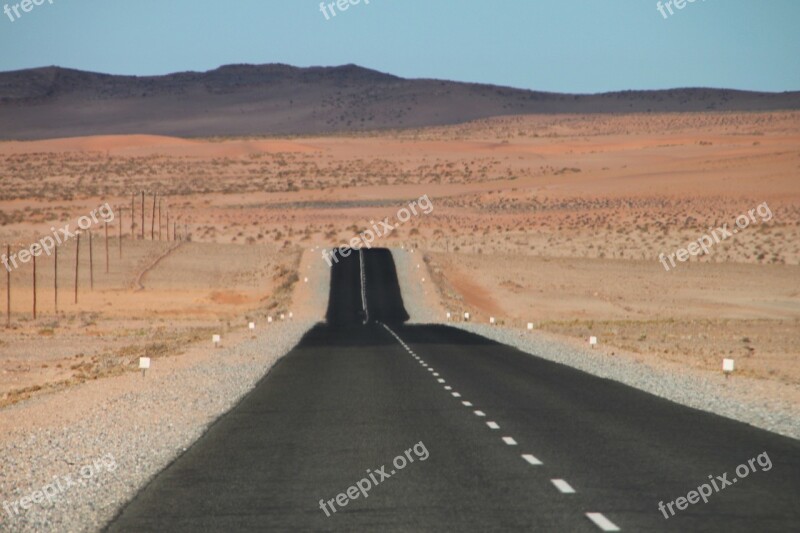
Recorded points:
(419, 297)
(760, 403)
(92, 447)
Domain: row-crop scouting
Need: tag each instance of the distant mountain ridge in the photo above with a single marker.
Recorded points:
(277, 99)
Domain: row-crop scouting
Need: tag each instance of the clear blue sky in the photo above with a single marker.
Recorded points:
(556, 45)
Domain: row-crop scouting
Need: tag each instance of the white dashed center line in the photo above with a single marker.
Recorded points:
(531, 459)
(563, 486)
(602, 522)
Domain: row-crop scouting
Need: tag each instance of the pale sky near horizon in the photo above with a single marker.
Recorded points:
(581, 46)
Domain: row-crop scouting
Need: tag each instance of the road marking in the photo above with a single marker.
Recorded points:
(508, 440)
(602, 522)
(363, 285)
(563, 486)
(531, 459)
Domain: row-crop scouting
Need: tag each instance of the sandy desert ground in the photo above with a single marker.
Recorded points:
(555, 220)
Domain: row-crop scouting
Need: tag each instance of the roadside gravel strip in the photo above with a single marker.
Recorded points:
(414, 291)
(143, 423)
(739, 398)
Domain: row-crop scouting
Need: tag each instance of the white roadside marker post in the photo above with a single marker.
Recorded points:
(592, 341)
(216, 339)
(251, 325)
(282, 316)
(530, 326)
(466, 317)
(144, 364)
(269, 320)
(448, 315)
(491, 320)
(727, 367)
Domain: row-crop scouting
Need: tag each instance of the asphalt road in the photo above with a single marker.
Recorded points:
(483, 430)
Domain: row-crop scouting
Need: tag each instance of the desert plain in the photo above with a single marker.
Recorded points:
(554, 220)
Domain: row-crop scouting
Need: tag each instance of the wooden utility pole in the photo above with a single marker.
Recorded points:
(159, 219)
(77, 254)
(133, 214)
(120, 231)
(167, 225)
(8, 288)
(106, 228)
(142, 215)
(91, 263)
(153, 219)
(34, 286)
(55, 278)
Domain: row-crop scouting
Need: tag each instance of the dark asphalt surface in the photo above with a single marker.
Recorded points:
(351, 397)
